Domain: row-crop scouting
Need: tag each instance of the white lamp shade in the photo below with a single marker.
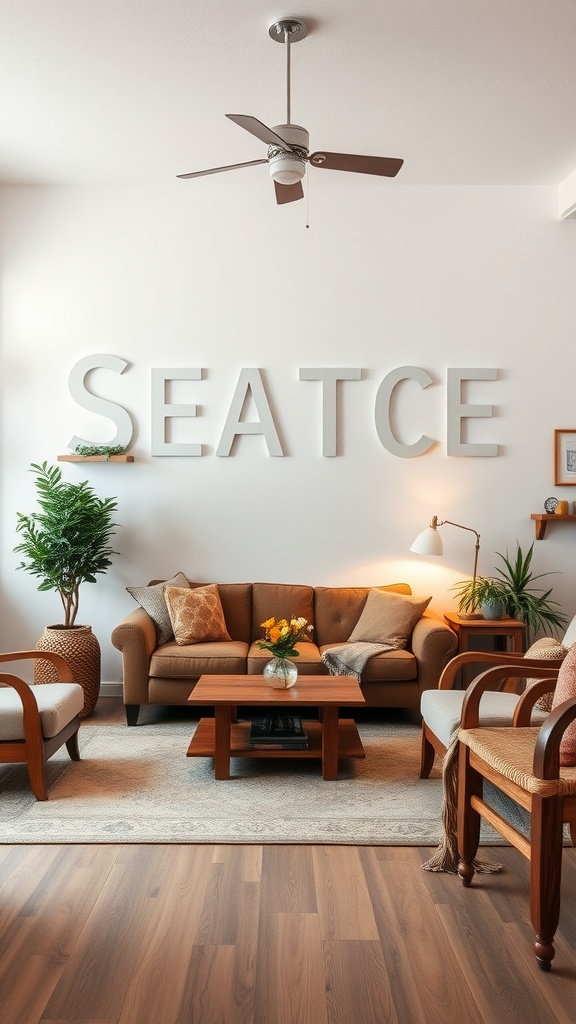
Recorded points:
(429, 542)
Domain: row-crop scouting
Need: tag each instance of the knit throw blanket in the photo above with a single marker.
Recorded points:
(349, 660)
(445, 857)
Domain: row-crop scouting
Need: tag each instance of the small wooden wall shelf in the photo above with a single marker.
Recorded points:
(542, 519)
(95, 458)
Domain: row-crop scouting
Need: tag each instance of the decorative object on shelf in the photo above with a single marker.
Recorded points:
(522, 601)
(429, 542)
(66, 544)
(550, 504)
(561, 508)
(97, 453)
(564, 458)
(280, 638)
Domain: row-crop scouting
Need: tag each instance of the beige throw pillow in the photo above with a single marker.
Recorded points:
(196, 614)
(566, 690)
(388, 618)
(547, 649)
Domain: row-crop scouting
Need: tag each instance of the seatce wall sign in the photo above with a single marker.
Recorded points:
(250, 387)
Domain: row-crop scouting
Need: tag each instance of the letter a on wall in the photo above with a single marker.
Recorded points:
(249, 385)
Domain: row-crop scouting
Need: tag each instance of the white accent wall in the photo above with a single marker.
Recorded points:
(211, 274)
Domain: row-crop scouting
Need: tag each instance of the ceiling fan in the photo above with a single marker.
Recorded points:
(288, 143)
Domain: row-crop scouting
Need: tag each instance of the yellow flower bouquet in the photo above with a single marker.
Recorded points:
(282, 635)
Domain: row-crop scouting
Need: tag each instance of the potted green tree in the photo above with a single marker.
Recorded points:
(514, 588)
(66, 544)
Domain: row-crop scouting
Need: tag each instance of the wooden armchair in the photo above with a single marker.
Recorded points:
(36, 720)
(441, 709)
(524, 763)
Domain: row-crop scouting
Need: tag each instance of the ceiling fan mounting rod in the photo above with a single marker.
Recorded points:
(288, 31)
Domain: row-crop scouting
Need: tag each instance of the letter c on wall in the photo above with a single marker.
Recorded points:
(382, 412)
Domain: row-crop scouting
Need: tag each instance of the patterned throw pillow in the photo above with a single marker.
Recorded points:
(565, 690)
(196, 614)
(547, 649)
(388, 618)
(152, 600)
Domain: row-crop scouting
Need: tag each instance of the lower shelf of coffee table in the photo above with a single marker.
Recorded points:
(203, 742)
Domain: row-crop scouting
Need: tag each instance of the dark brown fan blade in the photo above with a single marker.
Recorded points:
(261, 131)
(288, 193)
(385, 165)
(216, 170)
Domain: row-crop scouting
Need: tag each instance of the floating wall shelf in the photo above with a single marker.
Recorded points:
(543, 518)
(96, 458)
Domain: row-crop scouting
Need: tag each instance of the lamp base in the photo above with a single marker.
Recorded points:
(470, 615)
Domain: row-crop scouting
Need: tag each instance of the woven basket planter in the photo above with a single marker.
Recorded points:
(81, 650)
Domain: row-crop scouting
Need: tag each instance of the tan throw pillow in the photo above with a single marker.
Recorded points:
(196, 614)
(547, 649)
(152, 600)
(388, 618)
(565, 690)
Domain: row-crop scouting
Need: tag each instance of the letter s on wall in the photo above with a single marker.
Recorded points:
(84, 398)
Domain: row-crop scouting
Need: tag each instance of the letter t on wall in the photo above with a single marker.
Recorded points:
(329, 377)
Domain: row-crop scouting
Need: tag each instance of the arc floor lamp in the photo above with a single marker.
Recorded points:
(429, 542)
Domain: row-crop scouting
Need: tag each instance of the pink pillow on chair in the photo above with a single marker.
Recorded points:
(566, 689)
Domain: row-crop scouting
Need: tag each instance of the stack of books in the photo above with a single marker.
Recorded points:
(275, 731)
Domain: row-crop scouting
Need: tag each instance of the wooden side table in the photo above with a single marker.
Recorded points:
(466, 629)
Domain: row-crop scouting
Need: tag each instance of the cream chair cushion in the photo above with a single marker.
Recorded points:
(58, 704)
(442, 711)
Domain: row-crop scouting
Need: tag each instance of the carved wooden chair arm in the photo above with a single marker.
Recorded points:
(493, 679)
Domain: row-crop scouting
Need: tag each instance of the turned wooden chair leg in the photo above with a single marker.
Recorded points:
(37, 777)
(469, 784)
(427, 755)
(573, 832)
(545, 874)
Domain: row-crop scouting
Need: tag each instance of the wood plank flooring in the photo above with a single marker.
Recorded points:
(272, 935)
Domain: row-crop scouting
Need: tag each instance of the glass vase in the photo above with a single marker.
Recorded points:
(280, 673)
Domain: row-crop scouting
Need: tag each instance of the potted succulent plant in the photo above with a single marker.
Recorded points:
(514, 588)
(66, 544)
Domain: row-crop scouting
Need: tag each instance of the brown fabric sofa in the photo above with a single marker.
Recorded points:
(167, 674)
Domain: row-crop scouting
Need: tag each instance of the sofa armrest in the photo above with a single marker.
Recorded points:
(433, 644)
(135, 636)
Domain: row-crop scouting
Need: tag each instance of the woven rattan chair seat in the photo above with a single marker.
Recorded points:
(511, 753)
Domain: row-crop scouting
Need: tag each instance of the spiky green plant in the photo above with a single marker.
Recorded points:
(67, 542)
(522, 601)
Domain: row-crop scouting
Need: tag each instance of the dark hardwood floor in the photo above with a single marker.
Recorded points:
(288, 934)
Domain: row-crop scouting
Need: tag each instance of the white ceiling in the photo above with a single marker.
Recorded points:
(135, 91)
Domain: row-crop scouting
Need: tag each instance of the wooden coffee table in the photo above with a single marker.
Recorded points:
(223, 737)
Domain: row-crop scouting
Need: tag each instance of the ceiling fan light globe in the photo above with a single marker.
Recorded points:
(287, 169)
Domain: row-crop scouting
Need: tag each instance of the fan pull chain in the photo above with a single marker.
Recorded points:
(307, 201)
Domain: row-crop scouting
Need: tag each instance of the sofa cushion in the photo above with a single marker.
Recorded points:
(388, 618)
(281, 600)
(175, 661)
(151, 599)
(196, 615)
(337, 610)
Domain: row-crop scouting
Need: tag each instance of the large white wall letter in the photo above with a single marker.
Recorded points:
(382, 412)
(329, 377)
(249, 382)
(163, 410)
(458, 410)
(102, 406)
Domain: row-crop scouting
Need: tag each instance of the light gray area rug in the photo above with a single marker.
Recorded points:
(137, 785)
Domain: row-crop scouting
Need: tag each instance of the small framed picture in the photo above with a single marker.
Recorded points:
(564, 458)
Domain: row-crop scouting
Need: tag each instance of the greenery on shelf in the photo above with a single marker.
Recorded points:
(514, 586)
(99, 449)
(67, 542)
